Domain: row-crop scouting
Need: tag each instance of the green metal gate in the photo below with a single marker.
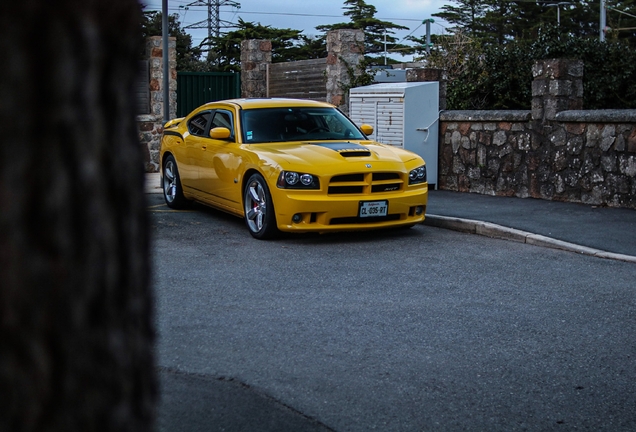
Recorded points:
(197, 88)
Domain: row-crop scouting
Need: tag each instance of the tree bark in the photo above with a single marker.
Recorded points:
(76, 325)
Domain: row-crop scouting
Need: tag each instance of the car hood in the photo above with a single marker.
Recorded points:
(333, 153)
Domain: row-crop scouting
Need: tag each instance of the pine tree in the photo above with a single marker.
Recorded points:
(496, 22)
(287, 44)
(466, 16)
(376, 31)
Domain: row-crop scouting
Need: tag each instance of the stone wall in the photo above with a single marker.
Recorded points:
(556, 151)
(484, 151)
(150, 126)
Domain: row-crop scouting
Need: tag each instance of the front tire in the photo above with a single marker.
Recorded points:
(259, 209)
(172, 191)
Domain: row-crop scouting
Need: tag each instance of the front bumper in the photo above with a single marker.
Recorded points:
(304, 211)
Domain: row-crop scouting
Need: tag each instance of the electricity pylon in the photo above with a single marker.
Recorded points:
(213, 23)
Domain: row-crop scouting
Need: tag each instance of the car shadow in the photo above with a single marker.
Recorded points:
(341, 237)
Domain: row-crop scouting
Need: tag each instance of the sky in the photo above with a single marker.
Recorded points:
(306, 14)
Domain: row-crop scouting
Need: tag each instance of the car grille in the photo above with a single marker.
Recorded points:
(365, 183)
(367, 220)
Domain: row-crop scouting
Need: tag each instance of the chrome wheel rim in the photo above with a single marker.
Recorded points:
(169, 181)
(255, 206)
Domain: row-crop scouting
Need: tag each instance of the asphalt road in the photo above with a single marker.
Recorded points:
(420, 329)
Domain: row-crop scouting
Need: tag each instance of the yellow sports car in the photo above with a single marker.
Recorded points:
(290, 165)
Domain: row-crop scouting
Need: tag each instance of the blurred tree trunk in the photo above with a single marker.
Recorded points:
(76, 325)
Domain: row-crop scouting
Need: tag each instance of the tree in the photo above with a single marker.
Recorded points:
(501, 21)
(499, 76)
(188, 57)
(494, 21)
(287, 44)
(309, 47)
(621, 19)
(465, 17)
(76, 325)
(362, 17)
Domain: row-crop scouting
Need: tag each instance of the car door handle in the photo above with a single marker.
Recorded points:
(204, 147)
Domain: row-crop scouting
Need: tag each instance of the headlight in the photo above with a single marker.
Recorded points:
(295, 180)
(418, 175)
(307, 179)
(291, 178)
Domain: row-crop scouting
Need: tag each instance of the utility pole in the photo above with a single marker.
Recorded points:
(166, 61)
(428, 34)
(603, 22)
(213, 22)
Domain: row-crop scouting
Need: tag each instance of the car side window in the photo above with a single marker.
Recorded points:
(198, 124)
(223, 119)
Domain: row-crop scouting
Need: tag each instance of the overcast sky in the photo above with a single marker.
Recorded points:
(306, 14)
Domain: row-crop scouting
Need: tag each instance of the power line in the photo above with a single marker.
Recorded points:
(289, 13)
(621, 12)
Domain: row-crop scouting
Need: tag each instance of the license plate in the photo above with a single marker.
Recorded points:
(373, 208)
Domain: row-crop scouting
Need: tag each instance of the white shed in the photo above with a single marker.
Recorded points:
(402, 114)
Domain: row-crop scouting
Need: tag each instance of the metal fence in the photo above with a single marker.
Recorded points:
(197, 88)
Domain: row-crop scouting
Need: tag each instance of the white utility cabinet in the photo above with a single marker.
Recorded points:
(402, 114)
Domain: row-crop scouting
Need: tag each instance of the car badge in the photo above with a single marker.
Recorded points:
(368, 165)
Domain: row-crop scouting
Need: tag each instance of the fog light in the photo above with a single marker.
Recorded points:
(419, 210)
(297, 218)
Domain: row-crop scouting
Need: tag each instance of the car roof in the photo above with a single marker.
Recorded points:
(251, 103)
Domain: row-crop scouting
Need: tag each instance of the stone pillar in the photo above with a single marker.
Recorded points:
(256, 56)
(154, 53)
(345, 52)
(427, 75)
(557, 86)
(150, 126)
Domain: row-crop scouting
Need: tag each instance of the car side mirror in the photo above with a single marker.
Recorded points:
(366, 129)
(220, 133)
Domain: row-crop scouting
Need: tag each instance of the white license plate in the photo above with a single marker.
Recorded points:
(373, 208)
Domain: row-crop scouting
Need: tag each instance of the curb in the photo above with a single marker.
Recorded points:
(153, 183)
(489, 229)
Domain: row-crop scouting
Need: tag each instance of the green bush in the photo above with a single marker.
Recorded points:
(500, 77)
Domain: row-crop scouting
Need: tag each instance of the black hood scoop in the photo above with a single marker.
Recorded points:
(347, 149)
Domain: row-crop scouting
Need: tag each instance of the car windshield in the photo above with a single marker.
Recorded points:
(265, 125)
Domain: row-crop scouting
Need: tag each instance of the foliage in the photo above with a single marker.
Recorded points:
(501, 21)
(465, 16)
(358, 76)
(621, 20)
(499, 77)
(610, 67)
(362, 16)
(287, 45)
(461, 57)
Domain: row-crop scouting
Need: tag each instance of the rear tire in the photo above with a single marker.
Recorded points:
(260, 217)
(171, 182)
